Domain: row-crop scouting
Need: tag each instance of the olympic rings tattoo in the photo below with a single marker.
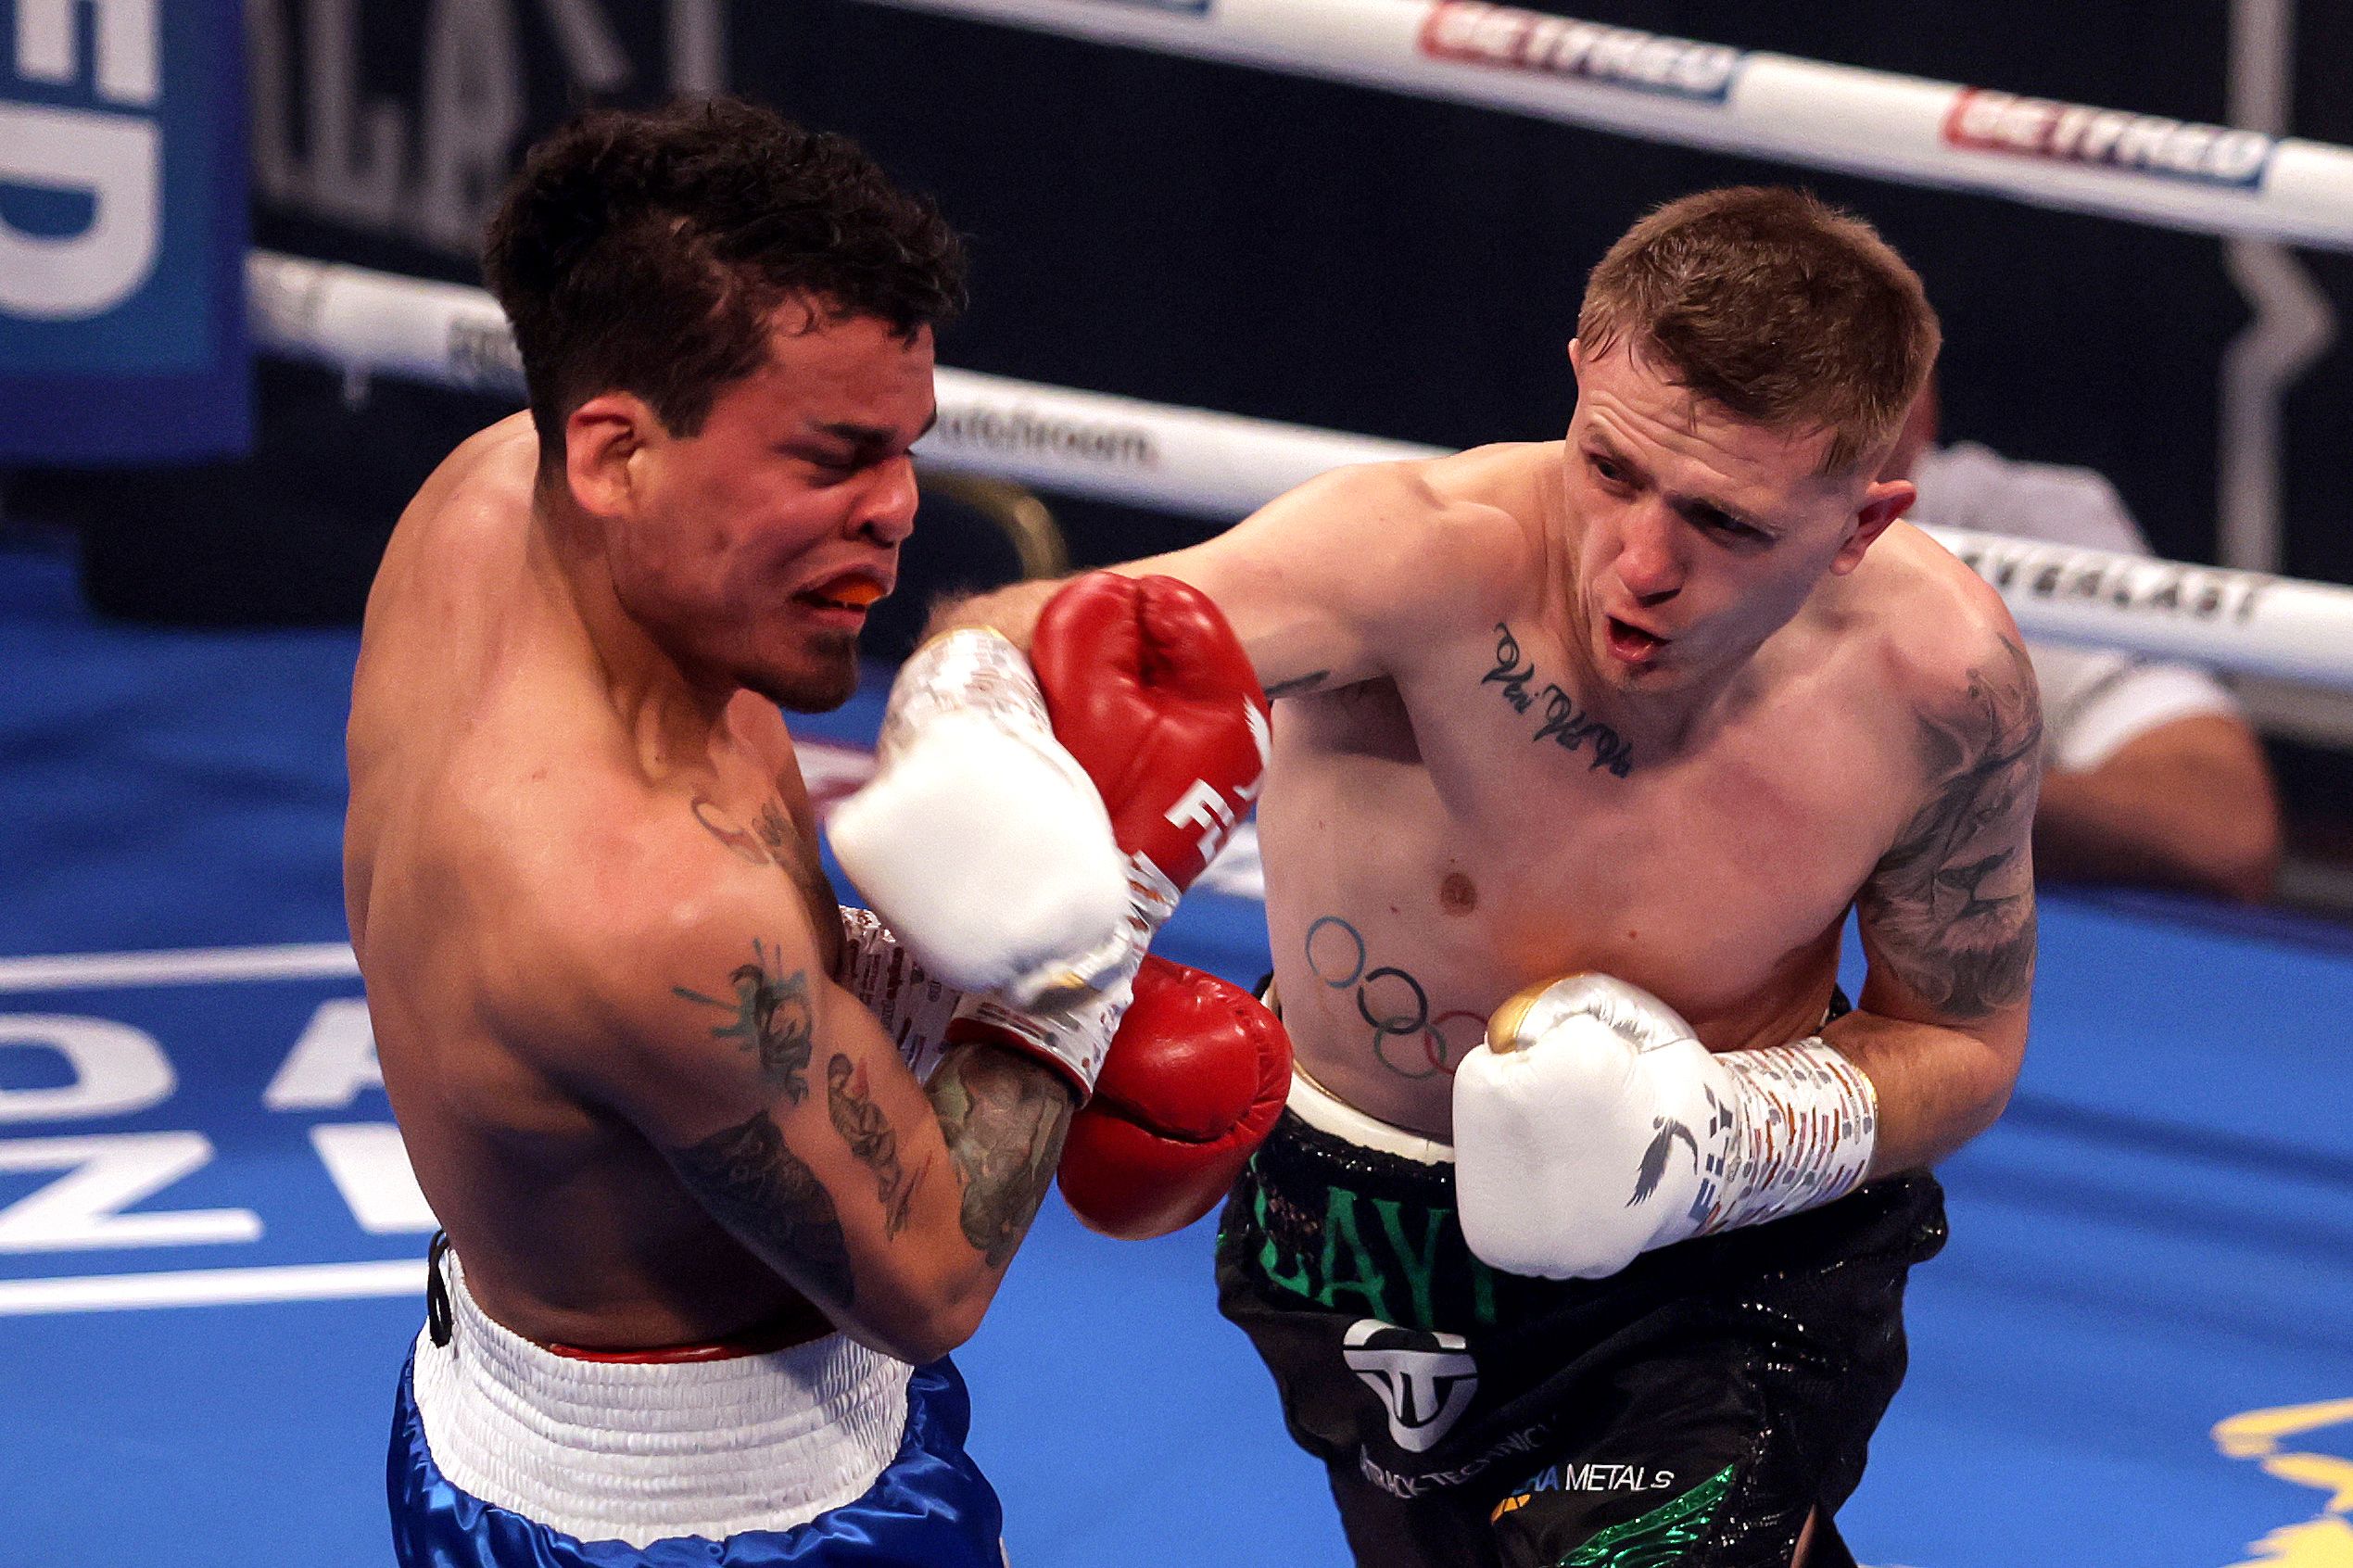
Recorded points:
(1394, 1014)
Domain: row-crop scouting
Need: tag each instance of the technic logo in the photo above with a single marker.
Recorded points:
(1980, 120)
(1424, 1380)
(1477, 34)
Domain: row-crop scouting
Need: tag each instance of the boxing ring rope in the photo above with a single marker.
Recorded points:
(2148, 168)
(1220, 466)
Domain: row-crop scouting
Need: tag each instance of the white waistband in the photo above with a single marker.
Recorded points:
(642, 1452)
(1320, 1109)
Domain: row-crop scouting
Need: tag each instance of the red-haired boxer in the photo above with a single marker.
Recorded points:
(710, 1237)
(1586, 1235)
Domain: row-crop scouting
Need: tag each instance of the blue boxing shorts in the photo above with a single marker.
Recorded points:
(826, 1453)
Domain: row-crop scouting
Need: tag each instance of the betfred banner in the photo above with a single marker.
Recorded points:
(123, 231)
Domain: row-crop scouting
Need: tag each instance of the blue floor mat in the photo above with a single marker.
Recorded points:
(2158, 1237)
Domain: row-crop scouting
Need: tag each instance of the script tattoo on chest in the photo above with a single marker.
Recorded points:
(1561, 719)
(1952, 904)
(771, 1020)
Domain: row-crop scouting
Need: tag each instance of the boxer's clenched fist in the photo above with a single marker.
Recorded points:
(979, 840)
(1151, 691)
(1195, 1078)
(1592, 1126)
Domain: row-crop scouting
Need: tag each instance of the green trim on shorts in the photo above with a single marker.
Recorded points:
(1663, 1537)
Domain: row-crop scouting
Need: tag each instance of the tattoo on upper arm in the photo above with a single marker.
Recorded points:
(772, 1019)
(1566, 725)
(745, 846)
(1004, 1122)
(757, 1187)
(867, 1132)
(1951, 904)
(770, 841)
(774, 832)
(1298, 686)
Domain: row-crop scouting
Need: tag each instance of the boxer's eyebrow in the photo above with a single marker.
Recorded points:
(859, 435)
(1715, 514)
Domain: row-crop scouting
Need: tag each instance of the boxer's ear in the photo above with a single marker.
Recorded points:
(1884, 501)
(604, 442)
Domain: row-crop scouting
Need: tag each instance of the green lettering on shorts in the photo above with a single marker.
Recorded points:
(1665, 1536)
(1365, 1278)
(1419, 1261)
(1297, 1282)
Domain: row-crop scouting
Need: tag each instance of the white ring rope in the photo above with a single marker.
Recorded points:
(1222, 466)
(2145, 167)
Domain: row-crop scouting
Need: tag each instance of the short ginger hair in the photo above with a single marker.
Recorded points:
(1774, 306)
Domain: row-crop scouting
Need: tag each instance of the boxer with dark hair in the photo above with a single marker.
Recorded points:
(1584, 1240)
(725, 1173)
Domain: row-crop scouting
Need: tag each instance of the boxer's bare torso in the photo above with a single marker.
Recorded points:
(1480, 815)
(1661, 701)
(492, 774)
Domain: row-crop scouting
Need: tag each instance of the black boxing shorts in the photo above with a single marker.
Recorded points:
(1692, 1410)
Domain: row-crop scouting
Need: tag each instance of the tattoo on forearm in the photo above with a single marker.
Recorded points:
(867, 1132)
(1298, 686)
(1564, 723)
(772, 1020)
(1408, 1038)
(1004, 1121)
(1952, 904)
(766, 1194)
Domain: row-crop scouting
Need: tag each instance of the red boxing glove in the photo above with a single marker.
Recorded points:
(1148, 688)
(1196, 1076)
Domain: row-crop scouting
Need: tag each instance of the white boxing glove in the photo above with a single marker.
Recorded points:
(924, 1014)
(1592, 1126)
(980, 840)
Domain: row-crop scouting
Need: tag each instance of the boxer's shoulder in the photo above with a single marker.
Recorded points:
(621, 903)
(1453, 537)
(484, 487)
(1934, 627)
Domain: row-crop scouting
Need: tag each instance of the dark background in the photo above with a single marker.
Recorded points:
(1237, 240)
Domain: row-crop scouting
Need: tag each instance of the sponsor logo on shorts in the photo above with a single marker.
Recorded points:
(2059, 575)
(1423, 1379)
(1478, 33)
(1596, 1479)
(1020, 430)
(1980, 120)
(1672, 1532)
(1410, 1486)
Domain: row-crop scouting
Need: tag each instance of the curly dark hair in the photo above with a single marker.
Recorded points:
(645, 250)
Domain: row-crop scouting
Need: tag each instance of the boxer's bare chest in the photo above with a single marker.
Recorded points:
(1434, 846)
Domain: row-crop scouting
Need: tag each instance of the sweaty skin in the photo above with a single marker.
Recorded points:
(1484, 776)
(582, 878)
